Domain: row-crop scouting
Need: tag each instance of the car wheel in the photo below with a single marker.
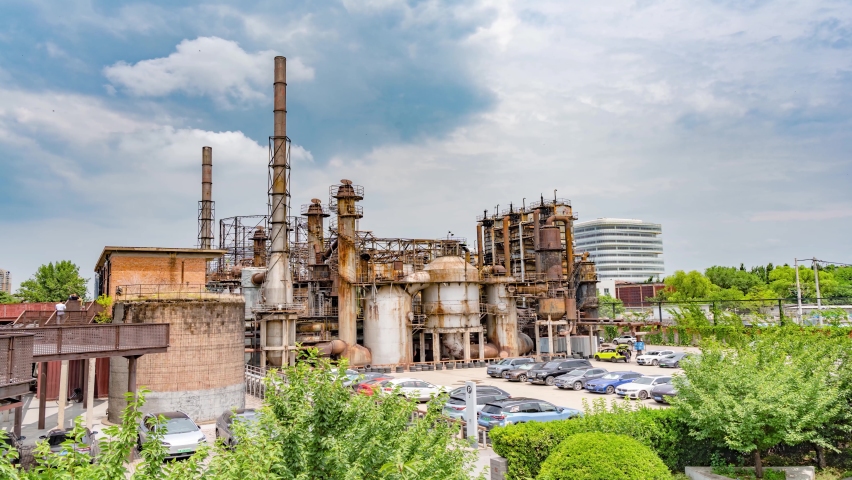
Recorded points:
(522, 378)
(506, 375)
(549, 381)
(610, 390)
(643, 395)
(597, 358)
(677, 365)
(655, 363)
(578, 385)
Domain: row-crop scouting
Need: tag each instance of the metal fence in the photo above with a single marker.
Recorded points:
(171, 292)
(16, 359)
(77, 342)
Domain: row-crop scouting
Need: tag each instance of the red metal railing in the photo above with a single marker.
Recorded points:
(85, 341)
(16, 359)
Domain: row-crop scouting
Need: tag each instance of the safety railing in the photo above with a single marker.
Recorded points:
(86, 341)
(16, 359)
(171, 292)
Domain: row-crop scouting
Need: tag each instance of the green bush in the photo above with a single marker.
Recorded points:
(603, 456)
(526, 446)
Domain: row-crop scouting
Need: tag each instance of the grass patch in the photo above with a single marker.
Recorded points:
(741, 473)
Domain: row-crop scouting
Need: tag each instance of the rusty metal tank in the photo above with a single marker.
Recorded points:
(451, 300)
(502, 318)
(386, 334)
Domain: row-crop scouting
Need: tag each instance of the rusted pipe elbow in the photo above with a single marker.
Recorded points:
(258, 278)
(327, 254)
(558, 218)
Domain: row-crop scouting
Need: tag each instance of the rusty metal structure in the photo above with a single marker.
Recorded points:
(206, 207)
(317, 280)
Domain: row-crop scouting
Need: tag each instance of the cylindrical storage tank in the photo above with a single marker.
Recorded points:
(202, 374)
(550, 252)
(451, 300)
(385, 331)
(502, 322)
(251, 291)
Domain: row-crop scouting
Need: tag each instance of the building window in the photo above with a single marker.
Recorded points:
(606, 291)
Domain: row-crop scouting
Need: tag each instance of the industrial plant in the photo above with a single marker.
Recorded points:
(316, 280)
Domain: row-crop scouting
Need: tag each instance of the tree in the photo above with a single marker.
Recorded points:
(310, 427)
(687, 286)
(730, 277)
(6, 298)
(610, 305)
(54, 283)
(783, 282)
(751, 398)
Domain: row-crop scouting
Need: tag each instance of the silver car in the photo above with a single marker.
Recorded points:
(182, 436)
(226, 420)
(57, 437)
(577, 379)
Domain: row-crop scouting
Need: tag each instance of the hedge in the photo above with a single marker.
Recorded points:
(526, 446)
(603, 456)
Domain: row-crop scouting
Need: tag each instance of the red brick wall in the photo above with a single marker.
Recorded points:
(155, 270)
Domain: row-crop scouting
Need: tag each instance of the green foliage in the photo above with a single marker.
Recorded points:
(527, 445)
(779, 387)
(731, 471)
(311, 427)
(610, 306)
(603, 456)
(53, 283)
(105, 315)
(686, 286)
(6, 298)
(733, 278)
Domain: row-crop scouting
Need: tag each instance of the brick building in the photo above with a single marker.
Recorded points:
(151, 266)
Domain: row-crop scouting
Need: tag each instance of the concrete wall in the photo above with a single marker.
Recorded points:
(202, 374)
(149, 269)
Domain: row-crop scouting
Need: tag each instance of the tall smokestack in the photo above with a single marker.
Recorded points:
(205, 207)
(279, 284)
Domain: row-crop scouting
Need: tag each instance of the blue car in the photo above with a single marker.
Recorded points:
(520, 410)
(608, 382)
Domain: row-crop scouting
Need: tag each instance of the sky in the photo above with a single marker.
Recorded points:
(730, 123)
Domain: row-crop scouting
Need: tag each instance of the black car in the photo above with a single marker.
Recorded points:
(663, 393)
(10, 441)
(226, 420)
(673, 360)
(549, 371)
(56, 439)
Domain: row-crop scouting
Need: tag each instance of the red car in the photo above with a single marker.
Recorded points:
(368, 387)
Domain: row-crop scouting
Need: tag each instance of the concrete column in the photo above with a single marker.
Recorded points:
(262, 345)
(63, 394)
(550, 336)
(537, 341)
(131, 375)
(481, 346)
(466, 345)
(90, 395)
(42, 400)
(568, 351)
(436, 347)
(591, 349)
(19, 417)
(422, 346)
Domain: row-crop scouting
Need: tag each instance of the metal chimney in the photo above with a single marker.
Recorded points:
(206, 205)
(279, 284)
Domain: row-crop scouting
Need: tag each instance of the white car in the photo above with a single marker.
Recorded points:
(641, 387)
(628, 339)
(413, 388)
(653, 357)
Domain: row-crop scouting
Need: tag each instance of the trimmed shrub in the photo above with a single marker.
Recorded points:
(603, 456)
(526, 446)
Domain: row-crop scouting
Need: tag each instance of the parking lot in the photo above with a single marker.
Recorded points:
(562, 398)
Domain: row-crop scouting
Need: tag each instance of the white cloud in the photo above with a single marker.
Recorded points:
(205, 66)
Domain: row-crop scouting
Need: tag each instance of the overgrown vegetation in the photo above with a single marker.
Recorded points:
(105, 315)
(310, 427)
(603, 456)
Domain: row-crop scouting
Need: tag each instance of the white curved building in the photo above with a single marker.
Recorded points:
(622, 248)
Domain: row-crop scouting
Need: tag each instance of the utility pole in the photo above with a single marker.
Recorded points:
(798, 288)
(816, 282)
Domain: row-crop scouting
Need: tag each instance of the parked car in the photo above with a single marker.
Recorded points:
(457, 403)
(628, 339)
(520, 374)
(610, 355)
(673, 360)
(353, 379)
(413, 388)
(369, 387)
(663, 393)
(609, 382)
(57, 437)
(226, 420)
(520, 410)
(10, 441)
(577, 379)
(653, 357)
(641, 387)
(182, 436)
(548, 372)
(505, 365)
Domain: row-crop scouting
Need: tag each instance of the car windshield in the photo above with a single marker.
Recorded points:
(55, 440)
(644, 381)
(575, 373)
(611, 376)
(527, 366)
(505, 361)
(180, 425)
(653, 352)
(248, 417)
(491, 408)
(550, 365)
